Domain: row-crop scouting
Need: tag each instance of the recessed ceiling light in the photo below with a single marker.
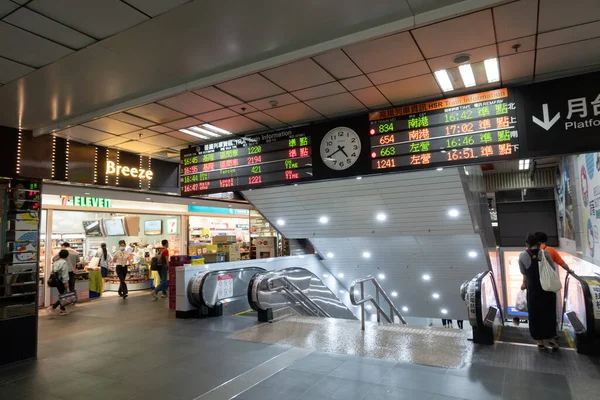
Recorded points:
(381, 276)
(323, 220)
(366, 254)
(394, 294)
(280, 222)
(325, 275)
(188, 132)
(435, 295)
(472, 254)
(202, 130)
(369, 307)
(330, 255)
(216, 129)
(491, 70)
(426, 277)
(405, 309)
(466, 72)
(342, 291)
(453, 213)
(444, 311)
(444, 80)
(86, 193)
(524, 164)
(381, 217)
(295, 184)
(359, 178)
(193, 202)
(340, 275)
(439, 169)
(148, 198)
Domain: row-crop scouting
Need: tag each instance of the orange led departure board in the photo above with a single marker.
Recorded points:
(458, 131)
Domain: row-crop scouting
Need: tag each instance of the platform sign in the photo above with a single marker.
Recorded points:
(475, 128)
(561, 116)
(244, 163)
(225, 286)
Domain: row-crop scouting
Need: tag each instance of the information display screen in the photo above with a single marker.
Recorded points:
(245, 163)
(453, 131)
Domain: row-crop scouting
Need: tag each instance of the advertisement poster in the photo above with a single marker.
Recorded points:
(588, 168)
(514, 279)
(225, 286)
(564, 200)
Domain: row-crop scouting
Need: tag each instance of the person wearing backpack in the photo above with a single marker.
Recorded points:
(60, 268)
(163, 265)
(541, 304)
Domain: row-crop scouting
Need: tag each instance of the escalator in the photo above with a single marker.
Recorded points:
(579, 327)
(222, 292)
(294, 291)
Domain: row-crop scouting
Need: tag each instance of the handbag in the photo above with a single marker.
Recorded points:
(66, 299)
(53, 280)
(548, 275)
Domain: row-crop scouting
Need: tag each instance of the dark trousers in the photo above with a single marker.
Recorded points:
(122, 273)
(61, 290)
(164, 283)
(459, 322)
(71, 281)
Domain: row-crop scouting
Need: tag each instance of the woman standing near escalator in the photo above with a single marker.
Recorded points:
(541, 304)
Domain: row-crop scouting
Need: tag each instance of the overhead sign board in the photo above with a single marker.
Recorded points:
(474, 128)
(561, 116)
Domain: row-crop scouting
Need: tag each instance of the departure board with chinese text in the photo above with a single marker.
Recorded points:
(461, 130)
(241, 163)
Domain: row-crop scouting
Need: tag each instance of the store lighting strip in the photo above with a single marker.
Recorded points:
(492, 70)
(67, 161)
(53, 156)
(141, 166)
(188, 132)
(95, 164)
(149, 168)
(524, 164)
(117, 176)
(444, 80)
(19, 147)
(105, 175)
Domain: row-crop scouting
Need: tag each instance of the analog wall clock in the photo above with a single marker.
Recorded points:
(340, 148)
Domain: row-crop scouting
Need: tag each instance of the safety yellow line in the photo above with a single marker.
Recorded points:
(569, 340)
(243, 312)
(498, 333)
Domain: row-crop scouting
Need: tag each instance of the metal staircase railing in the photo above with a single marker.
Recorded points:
(375, 301)
(283, 283)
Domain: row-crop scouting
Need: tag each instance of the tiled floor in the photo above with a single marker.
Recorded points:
(136, 349)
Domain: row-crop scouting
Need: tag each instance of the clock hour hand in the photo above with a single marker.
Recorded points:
(337, 151)
(341, 148)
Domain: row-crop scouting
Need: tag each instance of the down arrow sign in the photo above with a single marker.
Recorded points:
(547, 122)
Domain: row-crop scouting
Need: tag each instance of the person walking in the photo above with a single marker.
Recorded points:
(541, 305)
(61, 268)
(444, 322)
(104, 258)
(163, 270)
(122, 260)
(459, 323)
(72, 260)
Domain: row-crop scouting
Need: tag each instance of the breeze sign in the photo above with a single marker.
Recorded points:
(121, 170)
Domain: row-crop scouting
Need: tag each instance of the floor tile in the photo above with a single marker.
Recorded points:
(536, 380)
(392, 393)
(289, 379)
(415, 380)
(272, 392)
(317, 363)
(524, 392)
(456, 386)
(337, 388)
(479, 372)
(584, 388)
(361, 371)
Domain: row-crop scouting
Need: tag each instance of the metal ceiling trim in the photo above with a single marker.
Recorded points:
(542, 178)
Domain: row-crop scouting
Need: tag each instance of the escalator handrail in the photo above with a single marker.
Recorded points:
(219, 272)
(300, 293)
(363, 300)
(500, 308)
(588, 301)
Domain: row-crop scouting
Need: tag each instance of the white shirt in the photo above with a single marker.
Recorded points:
(100, 254)
(122, 257)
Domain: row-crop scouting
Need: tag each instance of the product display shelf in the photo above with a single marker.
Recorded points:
(136, 279)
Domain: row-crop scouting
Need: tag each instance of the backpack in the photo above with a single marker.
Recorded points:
(53, 280)
(155, 262)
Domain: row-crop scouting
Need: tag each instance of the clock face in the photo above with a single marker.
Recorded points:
(340, 148)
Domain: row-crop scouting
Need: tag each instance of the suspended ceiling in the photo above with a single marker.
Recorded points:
(169, 72)
(417, 237)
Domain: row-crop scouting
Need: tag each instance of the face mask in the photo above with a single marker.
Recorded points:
(122, 248)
